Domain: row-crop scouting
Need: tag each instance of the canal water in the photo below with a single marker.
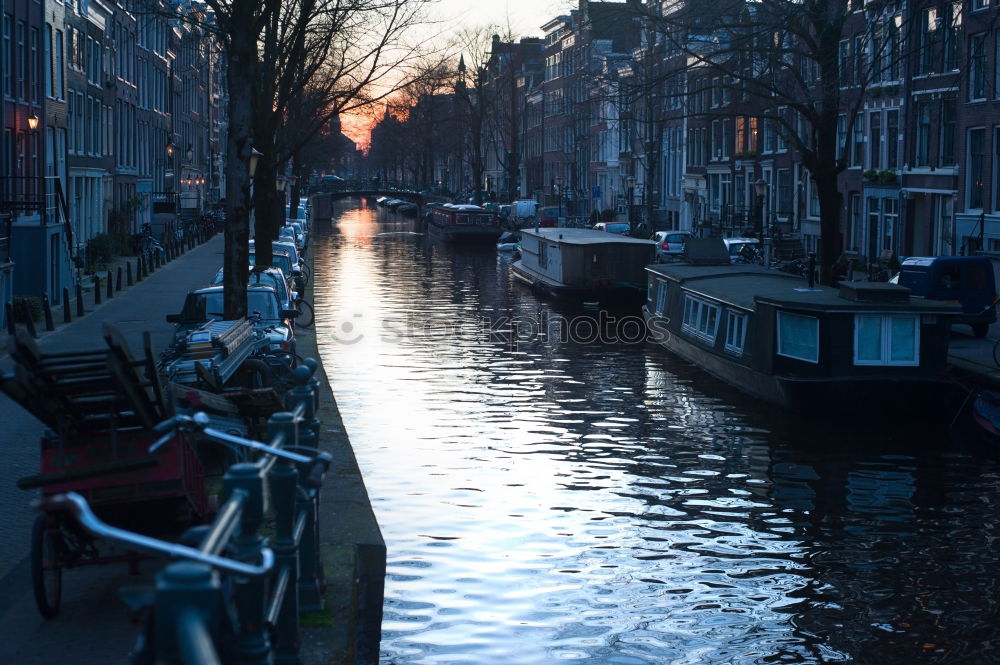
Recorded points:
(552, 489)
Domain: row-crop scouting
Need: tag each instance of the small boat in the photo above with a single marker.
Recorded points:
(509, 241)
(463, 223)
(865, 348)
(584, 265)
(986, 412)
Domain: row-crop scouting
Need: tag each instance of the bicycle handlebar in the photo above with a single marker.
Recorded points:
(199, 422)
(77, 506)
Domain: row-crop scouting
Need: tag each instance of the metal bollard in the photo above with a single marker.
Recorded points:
(190, 614)
(9, 315)
(97, 289)
(111, 284)
(118, 282)
(29, 321)
(128, 273)
(812, 269)
(283, 612)
(303, 394)
(250, 594)
(313, 365)
(47, 309)
(79, 300)
(67, 315)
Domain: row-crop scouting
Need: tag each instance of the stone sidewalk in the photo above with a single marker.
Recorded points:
(94, 625)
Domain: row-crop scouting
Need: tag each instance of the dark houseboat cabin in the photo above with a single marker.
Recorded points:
(463, 223)
(584, 265)
(865, 346)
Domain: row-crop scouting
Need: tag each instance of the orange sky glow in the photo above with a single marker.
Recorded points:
(519, 17)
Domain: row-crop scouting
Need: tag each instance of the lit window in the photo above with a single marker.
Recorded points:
(886, 340)
(798, 337)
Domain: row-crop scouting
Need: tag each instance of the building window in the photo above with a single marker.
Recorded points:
(928, 32)
(736, 332)
(886, 340)
(922, 144)
(858, 148)
(890, 217)
(701, 319)
(798, 337)
(8, 51)
(977, 155)
(952, 25)
(977, 66)
(22, 60)
(875, 140)
(892, 139)
(783, 193)
(946, 154)
(980, 4)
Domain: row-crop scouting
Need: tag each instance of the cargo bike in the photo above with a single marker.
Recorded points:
(100, 408)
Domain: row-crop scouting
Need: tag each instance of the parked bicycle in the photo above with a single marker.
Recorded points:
(305, 309)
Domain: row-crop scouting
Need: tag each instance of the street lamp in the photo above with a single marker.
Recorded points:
(255, 156)
(631, 199)
(32, 122)
(760, 189)
(559, 193)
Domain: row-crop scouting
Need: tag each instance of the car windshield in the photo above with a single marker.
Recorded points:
(279, 260)
(204, 306)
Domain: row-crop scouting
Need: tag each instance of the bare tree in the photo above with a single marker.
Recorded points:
(788, 63)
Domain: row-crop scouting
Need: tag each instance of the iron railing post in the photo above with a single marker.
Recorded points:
(190, 614)
(283, 481)
(249, 593)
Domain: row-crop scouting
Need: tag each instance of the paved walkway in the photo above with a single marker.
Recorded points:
(94, 626)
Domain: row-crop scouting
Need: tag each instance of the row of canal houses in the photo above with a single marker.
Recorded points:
(922, 147)
(112, 113)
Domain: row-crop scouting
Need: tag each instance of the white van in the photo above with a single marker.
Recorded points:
(523, 212)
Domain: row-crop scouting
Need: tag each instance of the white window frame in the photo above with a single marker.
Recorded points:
(885, 357)
(784, 352)
(736, 332)
(698, 321)
(661, 296)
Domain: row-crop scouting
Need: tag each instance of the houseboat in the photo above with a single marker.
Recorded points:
(463, 223)
(865, 347)
(584, 265)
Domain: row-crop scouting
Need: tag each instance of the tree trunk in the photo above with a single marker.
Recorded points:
(264, 195)
(240, 75)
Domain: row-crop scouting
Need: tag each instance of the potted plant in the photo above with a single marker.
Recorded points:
(885, 176)
(869, 174)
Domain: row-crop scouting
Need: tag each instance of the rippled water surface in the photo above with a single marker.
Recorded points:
(550, 493)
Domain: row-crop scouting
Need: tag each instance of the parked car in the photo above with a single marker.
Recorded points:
(280, 258)
(272, 277)
(618, 228)
(205, 304)
(741, 250)
(549, 215)
(968, 280)
(670, 244)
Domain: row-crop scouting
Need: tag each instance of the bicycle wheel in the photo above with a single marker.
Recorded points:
(305, 317)
(46, 565)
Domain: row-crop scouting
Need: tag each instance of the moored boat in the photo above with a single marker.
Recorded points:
(583, 265)
(463, 223)
(865, 347)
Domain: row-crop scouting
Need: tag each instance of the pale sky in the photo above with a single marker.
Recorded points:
(525, 16)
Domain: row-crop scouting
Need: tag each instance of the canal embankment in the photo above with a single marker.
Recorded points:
(94, 624)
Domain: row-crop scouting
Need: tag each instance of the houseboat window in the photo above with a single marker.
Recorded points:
(651, 289)
(661, 296)
(543, 255)
(462, 219)
(798, 337)
(886, 340)
(701, 319)
(736, 332)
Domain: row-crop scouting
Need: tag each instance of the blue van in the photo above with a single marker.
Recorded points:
(967, 280)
